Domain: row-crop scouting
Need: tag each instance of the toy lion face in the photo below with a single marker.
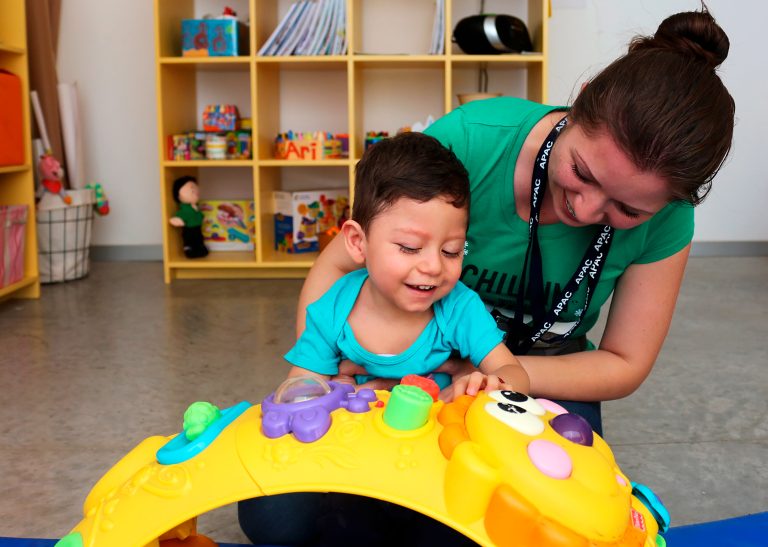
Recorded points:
(533, 473)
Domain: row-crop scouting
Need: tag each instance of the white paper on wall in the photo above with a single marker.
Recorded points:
(72, 134)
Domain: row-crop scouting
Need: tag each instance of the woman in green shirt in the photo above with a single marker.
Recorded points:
(569, 206)
(621, 169)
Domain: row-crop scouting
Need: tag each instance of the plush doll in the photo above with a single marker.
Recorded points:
(188, 217)
(51, 175)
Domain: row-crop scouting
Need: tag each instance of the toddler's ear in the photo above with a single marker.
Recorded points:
(354, 240)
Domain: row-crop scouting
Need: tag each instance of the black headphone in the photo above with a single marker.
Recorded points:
(492, 34)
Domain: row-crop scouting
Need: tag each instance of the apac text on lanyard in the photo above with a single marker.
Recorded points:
(522, 337)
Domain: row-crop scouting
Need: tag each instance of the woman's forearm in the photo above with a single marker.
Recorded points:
(584, 376)
(332, 264)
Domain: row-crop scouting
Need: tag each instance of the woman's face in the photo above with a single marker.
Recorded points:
(592, 181)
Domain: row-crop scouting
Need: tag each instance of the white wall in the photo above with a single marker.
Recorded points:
(586, 35)
(108, 49)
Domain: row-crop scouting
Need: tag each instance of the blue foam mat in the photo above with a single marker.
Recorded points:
(24, 542)
(746, 531)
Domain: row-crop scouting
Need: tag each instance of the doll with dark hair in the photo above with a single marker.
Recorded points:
(188, 217)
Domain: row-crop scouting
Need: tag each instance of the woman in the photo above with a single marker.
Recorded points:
(625, 164)
(568, 207)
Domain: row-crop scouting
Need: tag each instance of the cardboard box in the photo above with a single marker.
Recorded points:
(225, 37)
(301, 216)
(228, 225)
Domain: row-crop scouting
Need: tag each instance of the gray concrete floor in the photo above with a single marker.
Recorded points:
(98, 364)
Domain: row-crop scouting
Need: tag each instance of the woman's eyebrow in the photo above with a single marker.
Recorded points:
(587, 174)
(583, 168)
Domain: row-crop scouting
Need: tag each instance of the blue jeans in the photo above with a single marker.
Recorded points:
(589, 410)
(319, 520)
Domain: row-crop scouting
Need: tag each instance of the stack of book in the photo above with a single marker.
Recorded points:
(438, 29)
(311, 27)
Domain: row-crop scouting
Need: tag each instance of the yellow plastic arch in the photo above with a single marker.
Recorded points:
(465, 467)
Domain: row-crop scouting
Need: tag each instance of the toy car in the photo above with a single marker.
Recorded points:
(502, 468)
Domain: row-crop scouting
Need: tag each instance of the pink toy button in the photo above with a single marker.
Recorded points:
(550, 459)
(552, 406)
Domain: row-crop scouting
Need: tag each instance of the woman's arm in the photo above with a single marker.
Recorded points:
(332, 263)
(641, 311)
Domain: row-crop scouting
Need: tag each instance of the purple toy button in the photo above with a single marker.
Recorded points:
(302, 405)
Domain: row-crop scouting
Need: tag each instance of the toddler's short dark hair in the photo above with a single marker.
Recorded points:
(410, 165)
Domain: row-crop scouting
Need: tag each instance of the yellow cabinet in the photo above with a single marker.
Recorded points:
(17, 185)
(386, 80)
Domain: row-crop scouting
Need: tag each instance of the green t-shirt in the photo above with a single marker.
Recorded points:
(487, 137)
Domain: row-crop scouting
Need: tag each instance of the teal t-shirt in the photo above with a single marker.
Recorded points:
(487, 137)
(460, 323)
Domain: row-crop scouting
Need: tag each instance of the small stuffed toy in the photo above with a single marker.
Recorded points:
(102, 203)
(51, 175)
(188, 217)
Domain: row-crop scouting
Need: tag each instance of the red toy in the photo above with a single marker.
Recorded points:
(425, 383)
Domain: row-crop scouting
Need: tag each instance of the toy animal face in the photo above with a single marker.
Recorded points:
(50, 168)
(525, 466)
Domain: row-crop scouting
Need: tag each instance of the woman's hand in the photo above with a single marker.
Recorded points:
(329, 266)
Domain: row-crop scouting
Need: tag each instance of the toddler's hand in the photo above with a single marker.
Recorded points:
(471, 384)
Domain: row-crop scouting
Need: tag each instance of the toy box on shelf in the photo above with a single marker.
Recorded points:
(233, 145)
(228, 225)
(317, 145)
(225, 136)
(222, 36)
(301, 216)
(372, 137)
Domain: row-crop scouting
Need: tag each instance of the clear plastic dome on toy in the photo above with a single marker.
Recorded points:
(301, 388)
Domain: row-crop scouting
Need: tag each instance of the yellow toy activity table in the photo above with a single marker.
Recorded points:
(502, 468)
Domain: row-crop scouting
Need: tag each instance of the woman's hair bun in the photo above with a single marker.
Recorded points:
(693, 32)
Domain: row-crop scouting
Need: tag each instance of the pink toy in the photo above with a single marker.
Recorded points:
(51, 174)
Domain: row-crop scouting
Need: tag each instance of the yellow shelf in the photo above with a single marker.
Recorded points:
(14, 289)
(17, 185)
(218, 259)
(309, 93)
(207, 163)
(7, 48)
(242, 59)
(304, 163)
(520, 58)
(14, 169)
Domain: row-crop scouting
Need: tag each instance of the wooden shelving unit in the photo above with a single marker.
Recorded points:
(17, 186)
(373, 84)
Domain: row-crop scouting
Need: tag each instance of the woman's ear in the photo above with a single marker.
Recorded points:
(354, 240)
